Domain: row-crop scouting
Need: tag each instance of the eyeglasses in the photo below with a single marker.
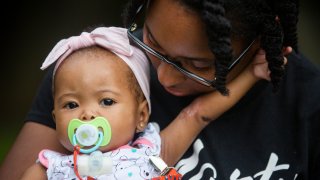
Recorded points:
(135, 33)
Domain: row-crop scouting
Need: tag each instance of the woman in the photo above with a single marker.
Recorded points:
(270, 133)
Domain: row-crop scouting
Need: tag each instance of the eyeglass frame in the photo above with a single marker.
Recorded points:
(210, 83)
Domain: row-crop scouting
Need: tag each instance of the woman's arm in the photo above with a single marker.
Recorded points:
(31, 140)
(35, 172)
(181, 132)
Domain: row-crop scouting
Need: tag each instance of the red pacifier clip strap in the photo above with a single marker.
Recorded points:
(76, 151)
(75, 163)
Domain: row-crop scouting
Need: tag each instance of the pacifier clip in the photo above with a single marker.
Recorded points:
(93, 134)
(76, 151)
(166, 173)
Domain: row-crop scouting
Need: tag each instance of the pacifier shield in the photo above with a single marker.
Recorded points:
(87, 135)
(87, 132)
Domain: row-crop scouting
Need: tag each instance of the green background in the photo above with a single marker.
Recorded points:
(30, 29)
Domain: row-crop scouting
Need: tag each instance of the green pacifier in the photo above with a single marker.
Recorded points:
(94, 133)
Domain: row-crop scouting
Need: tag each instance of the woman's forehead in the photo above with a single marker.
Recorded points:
(174, 28)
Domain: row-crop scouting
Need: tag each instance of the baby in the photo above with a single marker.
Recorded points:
(101, 104)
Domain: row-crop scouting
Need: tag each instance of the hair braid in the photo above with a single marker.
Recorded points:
(288, 14)
(271, 42)
(277, 34)
(218, 30)
(130, 11)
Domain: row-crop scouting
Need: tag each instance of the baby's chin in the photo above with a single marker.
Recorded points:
(67, 146)
(108, 148)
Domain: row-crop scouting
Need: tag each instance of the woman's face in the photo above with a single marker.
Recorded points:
(179, 33)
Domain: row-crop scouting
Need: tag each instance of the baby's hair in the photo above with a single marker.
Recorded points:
(275, 21)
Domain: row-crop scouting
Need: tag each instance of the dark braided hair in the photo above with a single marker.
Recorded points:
(218, 30)
(275, 21)
(130, 11)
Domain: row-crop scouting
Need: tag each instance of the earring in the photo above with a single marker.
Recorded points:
(141, 126)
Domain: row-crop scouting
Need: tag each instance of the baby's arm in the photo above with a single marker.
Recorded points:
(207, 108)
(36, 171)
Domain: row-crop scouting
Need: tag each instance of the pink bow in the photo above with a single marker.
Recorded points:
(110, 38)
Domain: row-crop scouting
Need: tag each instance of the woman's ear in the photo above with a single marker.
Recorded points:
(143, 116)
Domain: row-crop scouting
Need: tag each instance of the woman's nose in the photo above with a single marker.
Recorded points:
(168, 75)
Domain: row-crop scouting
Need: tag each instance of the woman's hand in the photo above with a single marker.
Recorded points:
(210, 106)
(260, 65)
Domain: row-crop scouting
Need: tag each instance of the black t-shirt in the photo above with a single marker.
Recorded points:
(264, 136)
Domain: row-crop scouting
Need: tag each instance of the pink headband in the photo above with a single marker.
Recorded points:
(112, 38)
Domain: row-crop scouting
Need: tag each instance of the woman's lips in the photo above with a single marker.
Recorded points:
(174, 91)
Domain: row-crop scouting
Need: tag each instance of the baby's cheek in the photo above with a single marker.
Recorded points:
(67, 145)
(64, 140)
(116, 142)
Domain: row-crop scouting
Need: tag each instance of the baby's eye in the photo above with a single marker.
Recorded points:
(71, 105)
(107, 102)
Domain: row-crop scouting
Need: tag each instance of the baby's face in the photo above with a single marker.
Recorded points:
(88, 85)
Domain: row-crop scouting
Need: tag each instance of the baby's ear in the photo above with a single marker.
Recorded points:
(143, 116)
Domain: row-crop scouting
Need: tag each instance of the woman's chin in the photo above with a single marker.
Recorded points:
(188, 92)
(176, 92)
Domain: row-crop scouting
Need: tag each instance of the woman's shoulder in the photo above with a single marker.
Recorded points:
(302, 74)
(302, 66)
